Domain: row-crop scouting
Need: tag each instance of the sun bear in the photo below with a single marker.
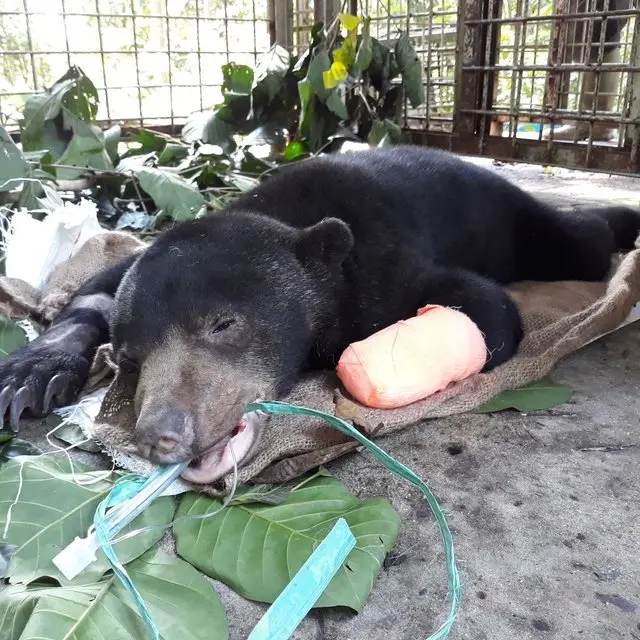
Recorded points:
(234, 306)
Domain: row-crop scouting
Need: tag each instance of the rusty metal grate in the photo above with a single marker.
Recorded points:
(154, 61)
(559, 72)
(549, 81)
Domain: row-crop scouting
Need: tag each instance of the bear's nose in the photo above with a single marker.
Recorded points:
(164, 436)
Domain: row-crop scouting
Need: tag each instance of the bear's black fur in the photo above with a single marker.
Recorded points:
(324, 253)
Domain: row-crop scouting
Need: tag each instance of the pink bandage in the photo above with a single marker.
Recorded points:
(413, 358)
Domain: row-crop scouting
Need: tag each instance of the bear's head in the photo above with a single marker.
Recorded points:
(218, 313)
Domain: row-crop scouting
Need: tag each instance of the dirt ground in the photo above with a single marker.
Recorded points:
(544, 508)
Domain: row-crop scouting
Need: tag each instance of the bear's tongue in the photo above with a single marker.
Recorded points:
(218, 461)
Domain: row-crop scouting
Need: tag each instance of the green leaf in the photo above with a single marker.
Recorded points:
(54, 139)
(210, 128)
(336, 104)
(307, 110)
(149, 141)
(72, 434)
(384, 133)
(87, 149)
(174, 196)
(256, 549)
(237, 78)
(39, 109)
(12, 337)
(271, 69)
(294, 150)
(180, 601)
(540, 395)
(317, 38)
(43, 522)
(411, 70)
(364, 53)
(133, 163)
(12, 162)
(112, 137)
(17, 447)
(172, 153)
(319, 64)
(82, 97)
(382, 68)
(73, 92)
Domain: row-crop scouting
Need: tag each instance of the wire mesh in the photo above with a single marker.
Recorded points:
(432, 28)
(561, 70)
(496, 72)
(153, 61)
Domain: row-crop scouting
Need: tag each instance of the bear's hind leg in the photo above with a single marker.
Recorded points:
(485, 302)
(573, 245)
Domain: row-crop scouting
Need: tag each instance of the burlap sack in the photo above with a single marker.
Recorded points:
(559, 318)
(19, 300)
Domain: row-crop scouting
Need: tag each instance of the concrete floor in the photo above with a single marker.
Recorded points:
(544, 508)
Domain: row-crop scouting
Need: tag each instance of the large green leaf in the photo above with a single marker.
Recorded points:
(540, 395)
(53, 139)
(336, 104)
(74, 92)
(364, 53)
(173, 196)
(12, 162)
(307, 106)
(179, 599)
(384, 133)
(172, 154)
(39, 109)
(256, 549)
(237, 78)
(271, 69)
(318, 65)
(12, 337)
(82, 97)
(87, 150)
(210, 128)
(51, 510)
(411, 70)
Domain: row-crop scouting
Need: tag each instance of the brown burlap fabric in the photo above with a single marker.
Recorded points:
(559, 318)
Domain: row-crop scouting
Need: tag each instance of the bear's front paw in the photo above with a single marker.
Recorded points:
(36, 376)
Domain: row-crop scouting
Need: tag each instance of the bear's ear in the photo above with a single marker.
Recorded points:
(329, 242)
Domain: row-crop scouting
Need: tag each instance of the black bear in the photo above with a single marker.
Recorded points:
(232, 307)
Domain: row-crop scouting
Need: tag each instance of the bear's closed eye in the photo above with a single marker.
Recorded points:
(223, 326)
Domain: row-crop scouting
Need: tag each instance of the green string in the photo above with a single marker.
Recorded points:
(400, 470)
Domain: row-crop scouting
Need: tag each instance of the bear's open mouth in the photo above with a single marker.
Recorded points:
(217, 461)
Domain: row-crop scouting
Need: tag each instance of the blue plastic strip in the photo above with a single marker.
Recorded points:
(281, 620)
(298, 597)
(108, 525)
(125, 488)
